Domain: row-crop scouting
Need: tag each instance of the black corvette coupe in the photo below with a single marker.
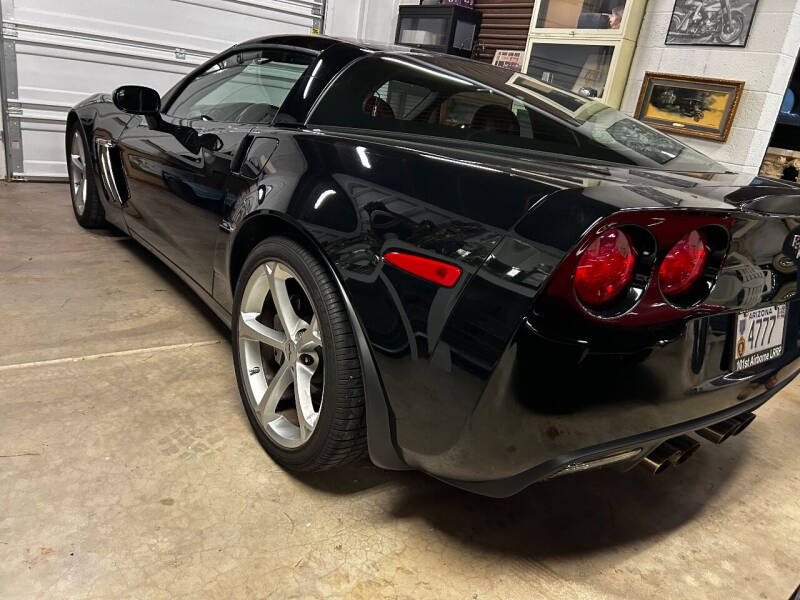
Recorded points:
(453, 266)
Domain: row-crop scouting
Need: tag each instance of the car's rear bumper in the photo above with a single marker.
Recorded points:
(633, 448)
(549, 405)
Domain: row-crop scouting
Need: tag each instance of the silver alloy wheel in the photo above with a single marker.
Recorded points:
(77, 170)
(287, 354)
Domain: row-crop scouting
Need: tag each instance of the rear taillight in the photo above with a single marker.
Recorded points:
(684, 264)
(605, 268)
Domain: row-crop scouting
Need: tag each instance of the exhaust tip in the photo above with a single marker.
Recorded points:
(675, 451)
(687, 445)
(744, 421)
(719, 432)
(655, 466)
(660, 459)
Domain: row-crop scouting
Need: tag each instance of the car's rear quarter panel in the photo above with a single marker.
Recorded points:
(565, 382)
(474, 392)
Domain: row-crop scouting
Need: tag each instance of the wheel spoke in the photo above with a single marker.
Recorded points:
(276, 275)
(77, 163)
(80, 193)
(306, 415)
(251, 329)
(274, 391)
(310, 338)
(77, 144)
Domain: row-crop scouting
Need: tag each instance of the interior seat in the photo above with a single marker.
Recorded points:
(493, 117)
(378, 107)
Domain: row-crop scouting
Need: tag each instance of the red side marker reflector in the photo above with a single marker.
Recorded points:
(431, 270)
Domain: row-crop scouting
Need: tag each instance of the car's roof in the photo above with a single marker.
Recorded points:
(322, 42)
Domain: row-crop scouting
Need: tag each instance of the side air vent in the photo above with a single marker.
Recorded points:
(115, 183)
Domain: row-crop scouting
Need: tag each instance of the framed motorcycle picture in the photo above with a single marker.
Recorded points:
(711, 22)
(694, 106)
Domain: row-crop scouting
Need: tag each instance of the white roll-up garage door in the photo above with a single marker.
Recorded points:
(57, 52)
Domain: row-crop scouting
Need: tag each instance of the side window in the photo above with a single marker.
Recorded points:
(403, 98)
(388, 94)
(246, 87)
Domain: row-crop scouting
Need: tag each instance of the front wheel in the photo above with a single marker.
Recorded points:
(731, 31)
(296, 360)
(85, 200)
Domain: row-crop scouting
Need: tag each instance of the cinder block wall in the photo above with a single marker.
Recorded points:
(765, 65)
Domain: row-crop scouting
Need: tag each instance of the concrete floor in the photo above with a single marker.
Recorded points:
(128, 469)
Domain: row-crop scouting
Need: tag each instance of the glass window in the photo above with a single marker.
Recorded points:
(581, 14)
(247, 87)
(423, 31)
(464, 36)
(478, 103)
(582, 69)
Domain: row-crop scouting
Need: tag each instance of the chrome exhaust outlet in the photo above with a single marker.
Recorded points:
(687, 445)
(719, 432)
(744, 421)
(661, 458)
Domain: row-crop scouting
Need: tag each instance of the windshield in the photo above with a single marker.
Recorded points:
(449, 97)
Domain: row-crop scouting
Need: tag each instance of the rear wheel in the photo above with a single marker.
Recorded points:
(85, 201)
(296, 360)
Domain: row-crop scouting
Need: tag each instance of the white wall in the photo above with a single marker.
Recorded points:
(373, 20)
(765, 65)
(2, 147)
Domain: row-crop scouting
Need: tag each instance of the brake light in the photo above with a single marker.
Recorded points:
(605, 268)
(436, 271)
(683, 264)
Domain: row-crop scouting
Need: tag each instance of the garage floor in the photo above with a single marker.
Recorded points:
(128, 469)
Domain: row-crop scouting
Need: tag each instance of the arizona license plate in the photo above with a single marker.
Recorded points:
(759, 336)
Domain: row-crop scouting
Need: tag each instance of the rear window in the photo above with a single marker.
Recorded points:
(406, 96)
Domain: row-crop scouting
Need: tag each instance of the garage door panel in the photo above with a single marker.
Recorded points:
(48, 159)
(204, 24)
(46, 74)
(57, 52)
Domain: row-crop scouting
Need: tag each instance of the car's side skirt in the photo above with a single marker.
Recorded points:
(215, 306)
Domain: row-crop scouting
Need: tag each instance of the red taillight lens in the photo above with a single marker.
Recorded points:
(605, 268)
(683, 264)
(433, 270)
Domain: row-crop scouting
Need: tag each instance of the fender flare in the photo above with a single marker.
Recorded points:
(381, 433)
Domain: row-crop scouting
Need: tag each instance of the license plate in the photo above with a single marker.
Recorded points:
(759, 336)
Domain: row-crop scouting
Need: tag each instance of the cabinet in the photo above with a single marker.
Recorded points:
(584, 46)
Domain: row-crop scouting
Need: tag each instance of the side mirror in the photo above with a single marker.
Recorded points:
(137, 100)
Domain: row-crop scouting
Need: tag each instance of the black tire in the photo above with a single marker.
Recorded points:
(92, 215)
(736, 29)
(340, 433)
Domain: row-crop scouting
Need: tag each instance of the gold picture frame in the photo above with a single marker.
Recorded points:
(695, 106)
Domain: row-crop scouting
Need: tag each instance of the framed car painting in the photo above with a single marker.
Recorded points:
(695, 106)
(711, 23)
